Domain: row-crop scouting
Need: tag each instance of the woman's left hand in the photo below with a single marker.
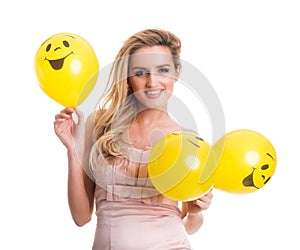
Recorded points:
(200, 204)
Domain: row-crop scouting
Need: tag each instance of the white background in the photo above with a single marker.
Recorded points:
(249, 51)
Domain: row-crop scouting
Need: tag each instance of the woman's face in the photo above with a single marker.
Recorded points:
(152, 75)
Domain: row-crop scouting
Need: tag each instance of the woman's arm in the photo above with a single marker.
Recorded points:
(77, 138)
(80, 191)
(192, 212)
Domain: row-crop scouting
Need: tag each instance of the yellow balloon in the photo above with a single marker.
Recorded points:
(247, 162)
(67, 68)
(181, 166)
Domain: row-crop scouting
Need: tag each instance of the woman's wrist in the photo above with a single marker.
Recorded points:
(193, 221)
(71, 148)
(193, 215)
(72, 152)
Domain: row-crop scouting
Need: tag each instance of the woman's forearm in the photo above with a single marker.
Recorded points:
(193, 222)
(191, 213)
(80, 190)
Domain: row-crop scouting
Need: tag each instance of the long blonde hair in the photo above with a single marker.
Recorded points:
(119, 106)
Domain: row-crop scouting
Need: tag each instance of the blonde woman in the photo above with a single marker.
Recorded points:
(110, 166)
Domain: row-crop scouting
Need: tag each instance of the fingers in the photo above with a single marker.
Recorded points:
(203, 205)
(79, 114)
(64, 114)
(204, 201)
(68, 111)
(209, 194)
(207, 197)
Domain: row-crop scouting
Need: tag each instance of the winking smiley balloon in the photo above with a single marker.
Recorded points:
(67, 68)
(247, 162)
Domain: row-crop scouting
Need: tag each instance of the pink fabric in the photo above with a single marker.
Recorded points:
(131, 214)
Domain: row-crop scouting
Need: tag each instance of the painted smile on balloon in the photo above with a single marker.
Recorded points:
(58, 64)
(249, 181)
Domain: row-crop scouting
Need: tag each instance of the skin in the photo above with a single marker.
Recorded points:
(152, 82)
(80, 186)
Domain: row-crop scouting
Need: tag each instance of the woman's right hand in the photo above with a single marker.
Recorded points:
(66, 129)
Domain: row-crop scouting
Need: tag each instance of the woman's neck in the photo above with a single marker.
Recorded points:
(152, 117)
(149, 126)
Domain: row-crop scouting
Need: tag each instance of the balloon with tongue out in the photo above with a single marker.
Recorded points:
(67, 68)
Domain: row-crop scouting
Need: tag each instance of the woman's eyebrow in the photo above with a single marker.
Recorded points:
(163, 65)
(158, 66)
(138, 67)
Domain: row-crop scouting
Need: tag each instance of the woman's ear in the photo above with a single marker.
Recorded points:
(178, 71)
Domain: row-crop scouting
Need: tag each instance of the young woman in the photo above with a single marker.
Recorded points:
(109, 168)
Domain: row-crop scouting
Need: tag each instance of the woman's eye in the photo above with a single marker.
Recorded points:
(140, 73)
(163, 70)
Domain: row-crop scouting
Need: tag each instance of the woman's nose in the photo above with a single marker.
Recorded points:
(152, 80)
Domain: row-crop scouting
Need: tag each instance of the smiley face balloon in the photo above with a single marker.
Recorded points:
(247, 161)
(181, 166)
(67, 68)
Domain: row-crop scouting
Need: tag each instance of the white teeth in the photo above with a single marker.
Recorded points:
(153, 92)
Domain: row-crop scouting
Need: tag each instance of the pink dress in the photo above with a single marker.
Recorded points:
(131, 214)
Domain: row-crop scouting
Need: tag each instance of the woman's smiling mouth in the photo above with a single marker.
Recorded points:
(153, 93)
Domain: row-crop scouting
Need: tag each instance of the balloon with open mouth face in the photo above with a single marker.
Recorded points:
(67, 68)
